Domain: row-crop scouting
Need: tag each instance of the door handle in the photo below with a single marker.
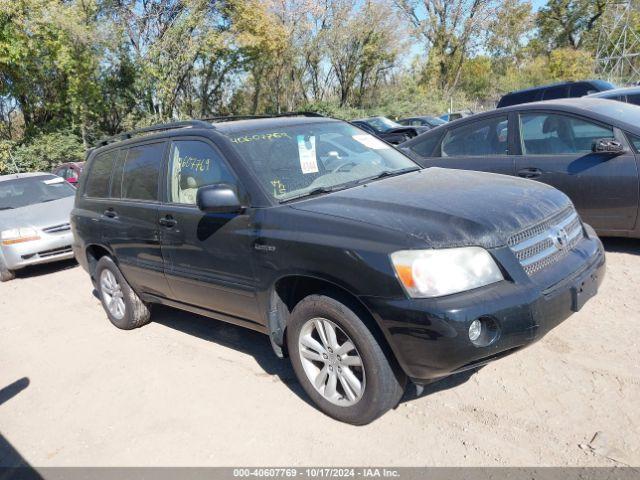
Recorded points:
(110, 212)
(529, 172)
(168, 221)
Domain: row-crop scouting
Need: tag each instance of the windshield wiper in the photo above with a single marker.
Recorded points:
(315, 191)
(7, 208)
(389, 173)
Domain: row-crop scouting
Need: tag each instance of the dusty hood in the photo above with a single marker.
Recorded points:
(38, 215)
(446, 207)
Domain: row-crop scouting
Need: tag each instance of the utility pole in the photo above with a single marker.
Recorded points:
(618, 53)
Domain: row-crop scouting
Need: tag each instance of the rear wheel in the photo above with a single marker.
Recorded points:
(339, 363)
(123, 306)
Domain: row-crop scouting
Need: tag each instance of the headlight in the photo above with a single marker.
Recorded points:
(18, 235)
(433, 273)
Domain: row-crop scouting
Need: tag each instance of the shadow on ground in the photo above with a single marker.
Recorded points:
(45, 269)
(622, 245)
(12, 464)
(257, 345)
(238, 338)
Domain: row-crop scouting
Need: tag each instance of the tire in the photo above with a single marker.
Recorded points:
(133, 312)
(381, 389)
(5, 273)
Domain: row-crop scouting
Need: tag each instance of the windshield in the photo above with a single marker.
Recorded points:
(382, 124)
(22, 192)
(300, 160)
(434, 122)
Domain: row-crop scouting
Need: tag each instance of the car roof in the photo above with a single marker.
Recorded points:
(589, 106)
(552, 85)
(272, 122)
(615, 92)
(15, 176)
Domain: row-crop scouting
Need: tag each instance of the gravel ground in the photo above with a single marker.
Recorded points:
(186, 390)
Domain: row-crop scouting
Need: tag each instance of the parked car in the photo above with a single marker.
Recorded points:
(422, 121)
(388, 130)
(586, 147)
(34, 221)
(451, 116)
(554, 91)
(70, 171)
(363, 268)
(628, 94)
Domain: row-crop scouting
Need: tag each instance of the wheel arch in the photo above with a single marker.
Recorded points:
(287, 291)
(93, 253)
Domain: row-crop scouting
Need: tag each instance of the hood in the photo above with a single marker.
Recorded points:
(446, 208)
(38, 215)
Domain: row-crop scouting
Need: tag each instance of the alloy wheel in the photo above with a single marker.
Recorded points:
(331, 362)
(112, 294)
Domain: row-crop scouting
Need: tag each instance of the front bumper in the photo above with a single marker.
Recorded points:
(430, 339)
(49, 248)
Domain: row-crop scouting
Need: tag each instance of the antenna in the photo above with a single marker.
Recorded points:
(618, 53)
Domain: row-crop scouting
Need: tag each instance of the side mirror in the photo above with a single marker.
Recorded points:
(218, 198)
(607, 145)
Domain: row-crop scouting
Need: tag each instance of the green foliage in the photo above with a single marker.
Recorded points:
(73, 71)
(47, 150)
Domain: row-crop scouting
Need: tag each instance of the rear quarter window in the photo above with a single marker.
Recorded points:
(99, 175)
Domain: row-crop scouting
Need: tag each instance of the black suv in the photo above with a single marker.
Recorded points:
(362, 267)
(554, 91)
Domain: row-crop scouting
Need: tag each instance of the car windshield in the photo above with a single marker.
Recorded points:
(306, 159)
(434, 122)
(21, 192)
(382, 124)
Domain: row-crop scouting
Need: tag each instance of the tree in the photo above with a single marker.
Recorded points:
(509, 30)
(569, 23)
(451, 30)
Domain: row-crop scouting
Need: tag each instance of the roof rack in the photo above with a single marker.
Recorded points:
(155, 128)
(231, 118)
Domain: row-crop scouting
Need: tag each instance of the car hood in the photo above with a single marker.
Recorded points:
(38, 215)
(444, 207)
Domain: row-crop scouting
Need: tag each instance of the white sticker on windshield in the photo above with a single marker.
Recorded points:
(307, 151)
(370, 141)
(52, 181)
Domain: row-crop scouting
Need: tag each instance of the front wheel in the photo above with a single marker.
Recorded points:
(339, 363)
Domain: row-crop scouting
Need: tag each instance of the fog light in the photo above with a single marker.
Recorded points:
(475, 329)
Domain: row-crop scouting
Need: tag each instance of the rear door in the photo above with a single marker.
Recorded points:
(130, 217)
(556, 149)
(207, 256)
(481, 145)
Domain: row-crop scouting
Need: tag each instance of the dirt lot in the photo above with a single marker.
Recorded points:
(186, 390)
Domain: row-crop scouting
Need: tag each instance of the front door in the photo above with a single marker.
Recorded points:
(556, 149)
(207, 256)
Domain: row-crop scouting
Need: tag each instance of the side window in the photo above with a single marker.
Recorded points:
(581, 89)
(634, 99)
(486, 137)
(555, 92)
(548, 134)
(426, 146)
(97, 183)
(636, 142)
(194, 164)
(141, 171)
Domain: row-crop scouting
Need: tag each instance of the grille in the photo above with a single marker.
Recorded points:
(63, 227)
(548, 242)
(54, 251)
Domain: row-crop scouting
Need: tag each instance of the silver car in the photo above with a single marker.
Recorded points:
(34, 221)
